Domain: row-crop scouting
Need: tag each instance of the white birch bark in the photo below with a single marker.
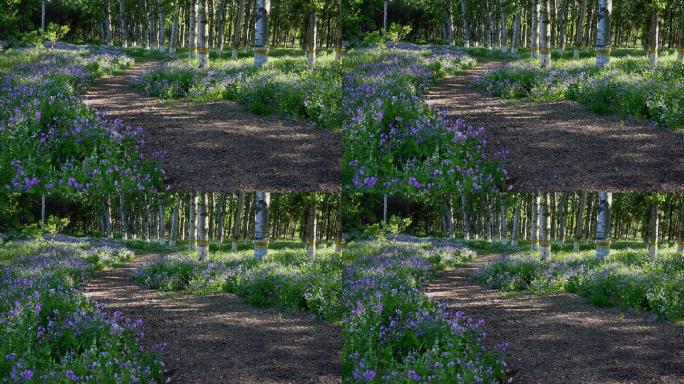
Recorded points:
(311, 232)
(450, 23)
(579, 31)
(449, 216)
(108, 217)
(603, 33)
(579, 221)
(605, 200)
(261, 32)
(563, 25)
(108, 23)
(263, 200)
(545, 38)
(192, 30)
(312, 36)
(238, 221)
(203, 49)
(123, 225)
(202, 227)
(544, 228)
(534, 35)
(655, 229)
(221, 25)
(653, 37)
(192, 220)
(162, 27)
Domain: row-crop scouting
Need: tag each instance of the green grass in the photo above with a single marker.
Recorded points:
(628, 278)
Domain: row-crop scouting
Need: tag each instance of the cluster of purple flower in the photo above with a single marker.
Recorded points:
(395, 333)
(53, 333)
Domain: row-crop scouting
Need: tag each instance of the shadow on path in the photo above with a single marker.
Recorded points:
(562, 146)
(561, 339)
(219, 338)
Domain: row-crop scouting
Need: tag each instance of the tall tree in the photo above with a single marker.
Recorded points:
(162, 219)
(545, 38)
(174, 32)
(464, 21)
(680, 237)
(261, 32)
(534, 223)
(579, 40)
(603, 33)
(263, 201)
(534, 33)
(236, 223)
(202, 227)
(653, 36)
(516, 31)
(605, 200)
(192, 30)
(122, 25)
(680, 48)
(464, 215)
(162, 27)
(545, 227)
(578, 222)
(516, 224)
(312, 224)
(311, 36)
(239, 14)
(655, 229)
(504, 36)
(203, 50)
(192, 222)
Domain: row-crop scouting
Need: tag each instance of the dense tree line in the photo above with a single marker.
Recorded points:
(542, 218)
(540, 25)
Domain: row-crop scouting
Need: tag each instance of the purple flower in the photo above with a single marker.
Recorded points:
(71, 376)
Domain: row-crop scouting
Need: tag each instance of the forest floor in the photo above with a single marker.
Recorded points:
(562, 146)
(221, 339)
(562, 339)
(220, 146)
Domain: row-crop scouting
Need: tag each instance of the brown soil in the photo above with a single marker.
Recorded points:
(220, 339)
(220, 146)
(561, 339)
(562, 146)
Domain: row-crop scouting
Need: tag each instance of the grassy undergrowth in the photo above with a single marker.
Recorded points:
(629, 86)
(51, 332)
(628, 278)
(392, 331)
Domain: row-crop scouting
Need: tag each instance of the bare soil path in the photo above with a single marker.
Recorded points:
(562, 146)
(561, 339)
(220, 339)
(220, 146)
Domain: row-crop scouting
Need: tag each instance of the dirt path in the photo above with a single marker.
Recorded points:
(219, 339)
(219, 146)
(562, 146)
(561, 339)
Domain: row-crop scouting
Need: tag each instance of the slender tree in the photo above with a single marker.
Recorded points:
(563, 219)
(384, 16)
(605, 200)
(545, 38)
(603, 33)
(312, 223)
(504, 36)
(162, 220)
(162, 28)
(174, 223)
(464, 21)
(464, 215)
(202, 227)
(311, 37)
(534, 223)
(203, 50)
(545, 228)
(516, 32)
(263, 201)
(653, 36)
(504, 221)
(192, 220)
(192, 30)
(174, 33)
(655, 230)
(236, 223)
(534, 33)
(261, 32)
(516, 224)
(578, 223)
(680, 48)
(680, 237)
(579, 40)
(239, 14)
(122, 25)
(108, 24)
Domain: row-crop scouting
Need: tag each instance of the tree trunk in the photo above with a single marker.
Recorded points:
(162, 220)
(655, 229)
(545, 50)
(464, 21)
(192, 29)
(174, 33)
(238, 221)
(162, 27)
(263, 200)
(42, 212)
(680, 47)
(449, 214)
(384, 209)
(340, 35)
(42, 17)
(450, 23)
(534, 35)
(516, 33)
(534, 223)
(311, 37)
(174, 224)
(311, 232)
(202, 226)
(603, 33)
(123, 225)
(384, 16)
(503, 221)
(680, 237)
(203, 38)
(221, 25)
(563, 25)
(122, 25)
(238, 28)
(563, 215)
(108, 217)
(545, 226)
(192, 220)
(464, 215)
(516, 224)
(338, 230)
(579, 39)
(504, 32)
(653, 37)
(261, 33)
(108, 24)
(605, 200)
(220, 230)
